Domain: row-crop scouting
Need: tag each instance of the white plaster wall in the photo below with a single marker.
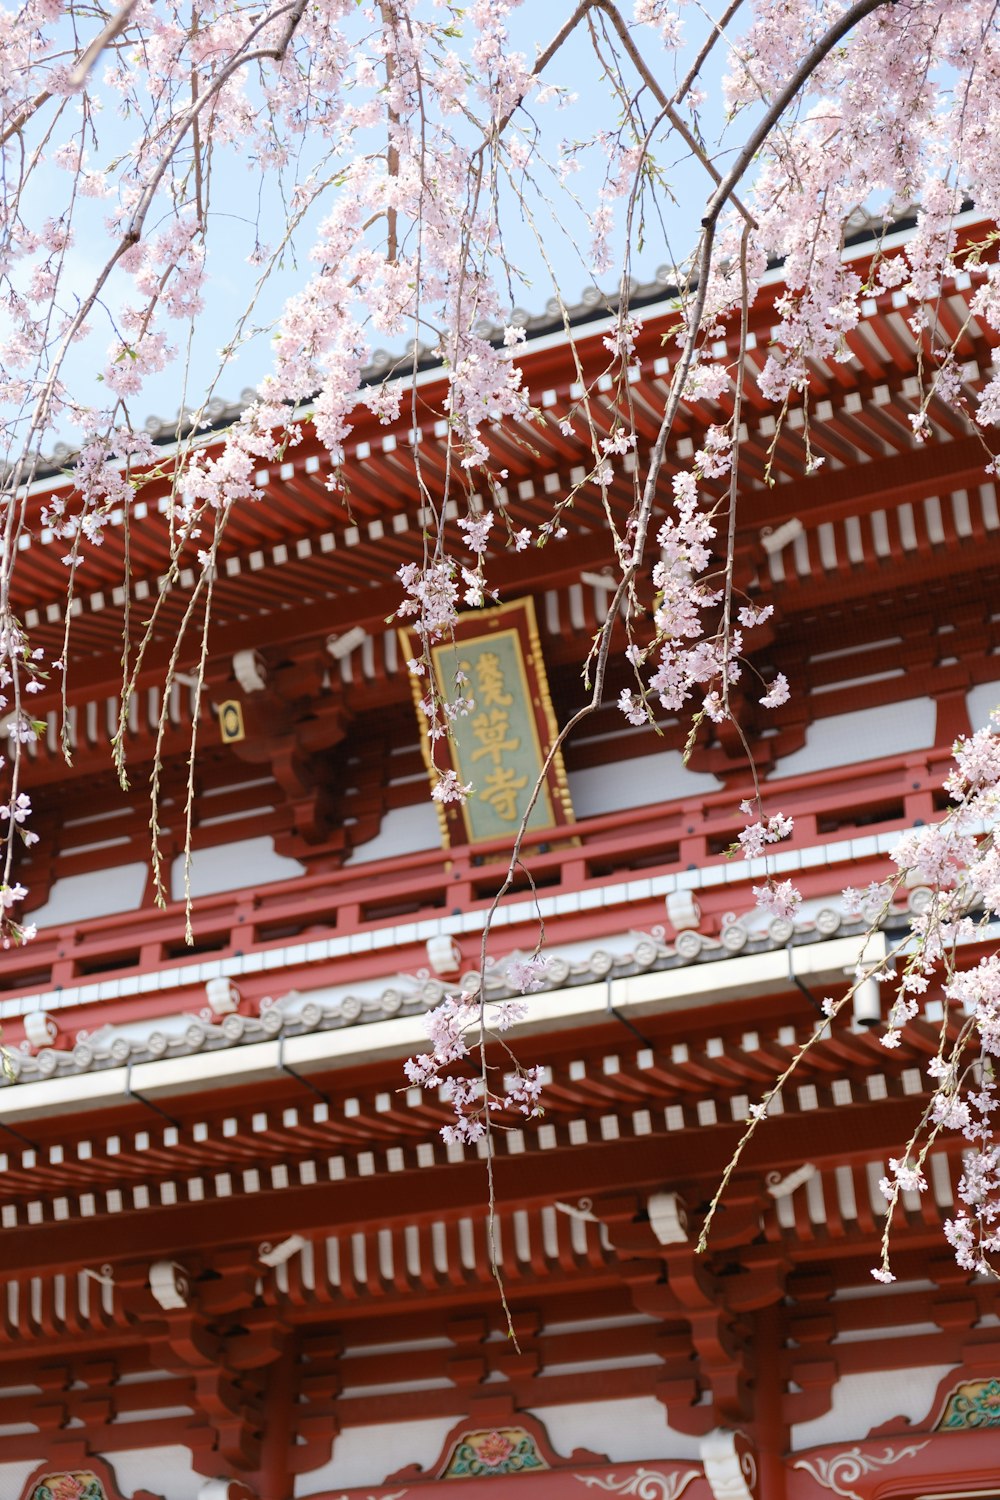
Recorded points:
(13, 1477)
(660, 777)
(980, 701)
(165, 1471)
(76, 898)
(403, 830)
(634, 1428)
(866, 734)
(368, 1455)
(230, 867)
(862, 1402)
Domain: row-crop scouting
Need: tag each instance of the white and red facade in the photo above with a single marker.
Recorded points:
(238, 1258)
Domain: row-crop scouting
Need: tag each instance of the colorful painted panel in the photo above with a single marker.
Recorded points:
(81, 1484)
(500, 746)
(975, 1403)
(500, 1450)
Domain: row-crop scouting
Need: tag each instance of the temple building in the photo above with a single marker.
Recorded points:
(239, 1262)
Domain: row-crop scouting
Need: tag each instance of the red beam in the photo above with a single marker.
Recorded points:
(533, 1178)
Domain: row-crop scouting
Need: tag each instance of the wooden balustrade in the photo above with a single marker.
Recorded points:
(827, 806)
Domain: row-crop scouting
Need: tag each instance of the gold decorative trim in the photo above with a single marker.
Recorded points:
(475, 628)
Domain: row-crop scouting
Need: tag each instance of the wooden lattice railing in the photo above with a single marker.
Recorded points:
(851, 803)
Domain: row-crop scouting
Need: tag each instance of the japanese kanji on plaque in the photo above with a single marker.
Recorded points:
(501, 744)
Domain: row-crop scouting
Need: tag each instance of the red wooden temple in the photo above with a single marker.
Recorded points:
(238, 1260)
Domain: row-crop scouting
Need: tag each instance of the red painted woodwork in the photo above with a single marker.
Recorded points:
(140, 1308)
(74, 1466)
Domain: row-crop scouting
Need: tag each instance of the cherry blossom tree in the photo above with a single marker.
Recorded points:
(408, 144)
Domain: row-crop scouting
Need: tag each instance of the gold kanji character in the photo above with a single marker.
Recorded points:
(490, 683)
(500, 789)
(493, 731)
